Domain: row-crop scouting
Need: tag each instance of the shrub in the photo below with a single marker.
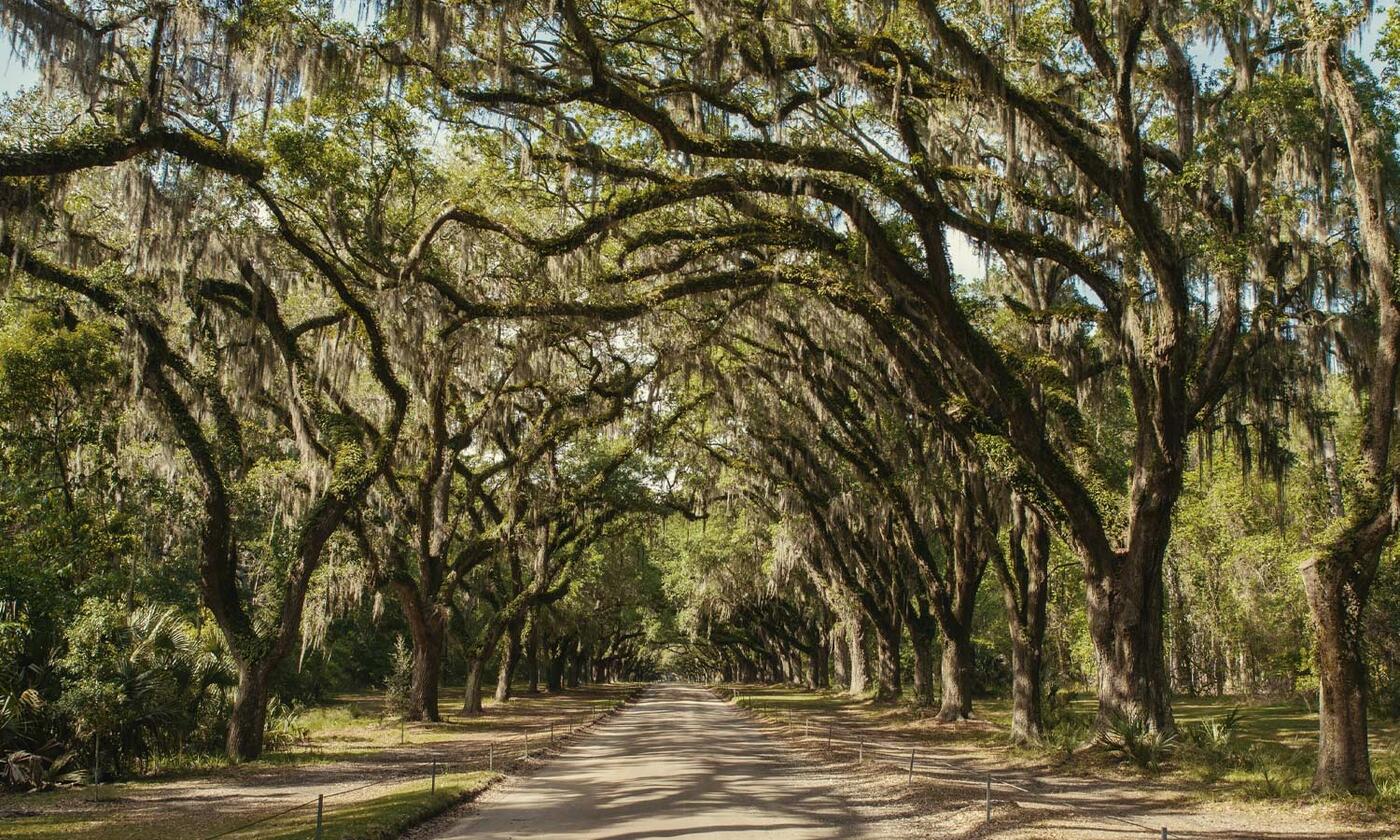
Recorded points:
(1215, 741)
(1133, 742)
(398, 691)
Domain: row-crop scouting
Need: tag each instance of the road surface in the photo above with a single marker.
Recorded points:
(679, 763)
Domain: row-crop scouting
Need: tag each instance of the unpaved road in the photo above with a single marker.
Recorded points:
(678, 764)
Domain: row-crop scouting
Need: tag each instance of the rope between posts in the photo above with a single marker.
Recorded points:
(586, 722)
(901, 751)
(898, 759)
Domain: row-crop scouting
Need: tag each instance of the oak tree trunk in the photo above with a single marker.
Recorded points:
(471, 703)
(1343, 748)
(958, 664)
(510, 657)
(248, 720)
(889, 681)
(1124, 608)
(855, 641)
(922, 644)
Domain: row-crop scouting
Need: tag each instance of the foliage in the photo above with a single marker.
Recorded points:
(398, 688)
(1133, 742)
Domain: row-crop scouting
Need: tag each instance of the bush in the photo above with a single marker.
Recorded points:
(1134, 743)
(1215, 741)
(398, 691)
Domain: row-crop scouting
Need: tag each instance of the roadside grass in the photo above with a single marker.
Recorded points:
(392, 810)
(195, 796)
(1268, 756)
(356, 725)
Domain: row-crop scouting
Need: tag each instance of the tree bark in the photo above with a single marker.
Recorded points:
(510, 657)
(922, 645)
(471, 703)
(1124, 609)
(248, 720)
(1343, 747)
(957, 671)
(532, 653)
(855, 641)
(889, 686)
(427, 630)
(1026, 593)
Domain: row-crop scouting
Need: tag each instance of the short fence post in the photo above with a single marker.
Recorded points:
(401, 732)
(829, 728)
(491, 757)
(861, 757)
(989, 797)
(1164, 833)
(551, 734)
(320, 810)
(911, 766)
(806, 727)
(527, 743)
(433, 789)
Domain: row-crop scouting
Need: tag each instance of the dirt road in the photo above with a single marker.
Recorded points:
(678, 764)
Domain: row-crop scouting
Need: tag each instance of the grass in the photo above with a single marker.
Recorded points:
(1271, 758)
(385, 813)
(384, 816)
(352, 728)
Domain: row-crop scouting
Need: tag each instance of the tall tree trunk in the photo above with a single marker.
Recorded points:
(248, 720)
(427, 674)
(471, 702)
(1026, 594)
(1343, 754)
(855, 641)
(427, 628)
(889, 686)
(922, 645)
(510, 657)
(554, 678)
(1124, 608)
(957, 671)
(1183, 672)
(532, 653)
(840, 656)
(577, 663)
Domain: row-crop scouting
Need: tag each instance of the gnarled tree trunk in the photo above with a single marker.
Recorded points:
(248, 720)
(471, 702)
(957, 669)
(889, 680)
(855, 641)
(510, 657)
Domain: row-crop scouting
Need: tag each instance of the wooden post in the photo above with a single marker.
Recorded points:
(911, 766)
(861, 757)
(491, 757)
(989, 797)
(433, 783)
(527, 743)
(320, 810)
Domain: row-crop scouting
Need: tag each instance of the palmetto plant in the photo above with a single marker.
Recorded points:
(1135, 743)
